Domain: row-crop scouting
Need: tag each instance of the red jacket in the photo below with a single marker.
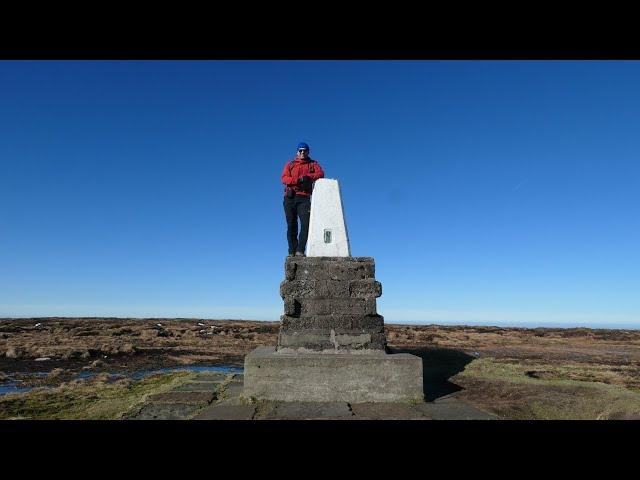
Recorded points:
(297, 168)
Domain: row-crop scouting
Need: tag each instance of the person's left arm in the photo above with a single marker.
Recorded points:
(319, 173)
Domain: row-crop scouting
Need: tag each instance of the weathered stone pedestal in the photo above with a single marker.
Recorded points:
(331, 345)
(330, 305)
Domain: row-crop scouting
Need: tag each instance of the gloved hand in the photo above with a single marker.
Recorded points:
(305, 183)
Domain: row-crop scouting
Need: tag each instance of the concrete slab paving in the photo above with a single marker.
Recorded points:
(387, 411)
(210, 377)
(194, 400)
(227, 412)
(453, 409)
(310, 411)
(199, 387)
(191, 398)
(171, 411)
(233, 389)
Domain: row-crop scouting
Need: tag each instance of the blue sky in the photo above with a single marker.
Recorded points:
(488, 192)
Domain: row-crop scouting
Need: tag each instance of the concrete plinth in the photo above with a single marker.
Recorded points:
(336, 377)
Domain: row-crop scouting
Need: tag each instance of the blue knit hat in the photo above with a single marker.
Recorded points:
(302, 145)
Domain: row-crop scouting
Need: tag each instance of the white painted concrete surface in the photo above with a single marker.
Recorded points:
(327, 227)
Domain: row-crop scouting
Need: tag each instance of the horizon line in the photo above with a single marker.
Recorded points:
(513, 324)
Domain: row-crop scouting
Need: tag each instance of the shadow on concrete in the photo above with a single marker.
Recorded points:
(438, 365)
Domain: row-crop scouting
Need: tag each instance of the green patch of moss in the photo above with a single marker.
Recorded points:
(90, 400)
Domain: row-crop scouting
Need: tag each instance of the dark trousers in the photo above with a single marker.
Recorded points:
(294, 208)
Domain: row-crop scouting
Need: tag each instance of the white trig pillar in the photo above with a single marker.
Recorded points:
(327, 228)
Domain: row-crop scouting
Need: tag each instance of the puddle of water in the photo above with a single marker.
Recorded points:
(13, 386)
(17, 386)
(140, 374)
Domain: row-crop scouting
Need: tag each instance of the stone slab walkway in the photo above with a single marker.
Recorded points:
(217, 397)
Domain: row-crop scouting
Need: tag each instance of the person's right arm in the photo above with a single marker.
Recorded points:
(286, 176)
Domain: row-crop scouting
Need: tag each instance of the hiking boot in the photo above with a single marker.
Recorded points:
(300, 254)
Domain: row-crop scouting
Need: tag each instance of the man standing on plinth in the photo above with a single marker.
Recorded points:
(298, 176)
